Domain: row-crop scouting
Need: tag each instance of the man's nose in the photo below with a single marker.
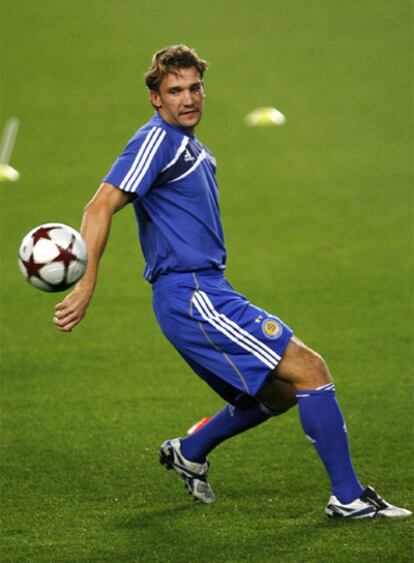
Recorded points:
(187, 98)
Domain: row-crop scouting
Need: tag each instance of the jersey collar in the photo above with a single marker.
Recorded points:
(158, 119)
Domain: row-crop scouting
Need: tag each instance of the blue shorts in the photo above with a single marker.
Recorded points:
(230, 343)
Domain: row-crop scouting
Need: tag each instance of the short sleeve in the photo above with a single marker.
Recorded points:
(142, 160)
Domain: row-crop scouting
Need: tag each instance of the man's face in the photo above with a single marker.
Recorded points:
(180, 98)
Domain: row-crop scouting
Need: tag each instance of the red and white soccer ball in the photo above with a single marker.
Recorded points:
(52, 257)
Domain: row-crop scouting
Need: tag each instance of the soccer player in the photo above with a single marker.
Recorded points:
(248, 356)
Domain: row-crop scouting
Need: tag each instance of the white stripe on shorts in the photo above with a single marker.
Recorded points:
(253, 340)
(233, 331)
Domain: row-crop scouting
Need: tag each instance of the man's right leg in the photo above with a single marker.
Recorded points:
(188, 456)
(236, 418)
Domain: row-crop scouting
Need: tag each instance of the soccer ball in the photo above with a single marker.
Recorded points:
(52, 257)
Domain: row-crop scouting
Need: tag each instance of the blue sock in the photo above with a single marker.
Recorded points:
(226, 423)
(324, 425)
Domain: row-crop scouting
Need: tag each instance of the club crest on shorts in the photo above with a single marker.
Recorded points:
(271, 328)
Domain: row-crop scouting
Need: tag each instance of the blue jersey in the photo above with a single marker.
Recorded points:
(173, 178)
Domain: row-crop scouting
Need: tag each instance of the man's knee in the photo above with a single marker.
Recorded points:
(313, 362)
(303, 367)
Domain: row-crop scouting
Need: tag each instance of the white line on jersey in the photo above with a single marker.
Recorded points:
(184, 143)
(200, 158)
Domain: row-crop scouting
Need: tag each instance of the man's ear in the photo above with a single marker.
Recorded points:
(155, 99)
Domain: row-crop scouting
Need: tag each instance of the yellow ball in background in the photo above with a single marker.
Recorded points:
(264, 116)
(8, 174)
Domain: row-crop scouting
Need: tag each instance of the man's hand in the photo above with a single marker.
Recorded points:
(72, 309)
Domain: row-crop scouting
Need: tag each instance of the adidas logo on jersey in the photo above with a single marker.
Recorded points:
(188, 156)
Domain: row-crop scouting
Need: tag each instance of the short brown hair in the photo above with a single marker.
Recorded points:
(170, 59)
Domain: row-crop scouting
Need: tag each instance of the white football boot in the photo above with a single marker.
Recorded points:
(194, 474)
(368, 505)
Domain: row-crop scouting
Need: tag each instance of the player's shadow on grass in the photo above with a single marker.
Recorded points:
(152, 518)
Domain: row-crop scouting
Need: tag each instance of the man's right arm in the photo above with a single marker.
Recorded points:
(96, 225)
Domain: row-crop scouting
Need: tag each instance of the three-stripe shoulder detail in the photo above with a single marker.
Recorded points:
(143, 159)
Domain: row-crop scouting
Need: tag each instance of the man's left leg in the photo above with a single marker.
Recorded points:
(324, 425)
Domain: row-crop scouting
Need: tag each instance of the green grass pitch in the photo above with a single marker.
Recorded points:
(318, 222)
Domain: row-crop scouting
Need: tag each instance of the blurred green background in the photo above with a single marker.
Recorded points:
(318, 218)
